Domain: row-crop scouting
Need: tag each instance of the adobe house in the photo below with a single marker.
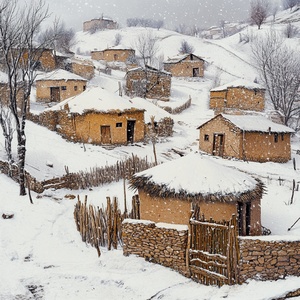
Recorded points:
(4, 93)
(96, 116)
(58, 85)
(100, 23)
(185, 65)
(114, 54)
(168, 192)
(237, 95)
(148, 82)
(83, 68)
(246, 137)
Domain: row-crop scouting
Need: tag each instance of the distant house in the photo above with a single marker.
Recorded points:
(237, 95)
(148, 82)
(168, 193)
(245, 137)
(5, 93)
(114, 54)
(96, 116)
(185, 65)
(83, 68)
(99, 24)
(58, 85)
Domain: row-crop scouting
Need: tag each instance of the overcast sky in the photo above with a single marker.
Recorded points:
(203, 13)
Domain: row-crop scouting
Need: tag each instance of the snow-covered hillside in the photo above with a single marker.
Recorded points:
(41, 247)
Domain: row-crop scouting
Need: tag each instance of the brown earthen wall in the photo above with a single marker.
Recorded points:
(43, 88)
(261, 147)
(268, 260)
(155, 243)
(232, 138)
(185, 68)
(86, 128)
(85, 71)
(159, 85)
(237, 98)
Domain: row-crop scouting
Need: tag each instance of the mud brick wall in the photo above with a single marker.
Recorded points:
(268, 260)
(156, 243)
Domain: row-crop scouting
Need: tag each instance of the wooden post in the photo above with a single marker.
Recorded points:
(115, 224)
(109, 223)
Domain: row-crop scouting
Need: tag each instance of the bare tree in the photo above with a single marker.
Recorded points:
(290, 30)
(274, 10)
(259, 11)
(279, 68)
(186, 48)
(64, 38)
(223, 27)
(118, 38)
(19, 27)
(147, 47)
(290, 3)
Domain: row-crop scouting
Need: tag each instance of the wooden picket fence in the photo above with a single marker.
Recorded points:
(102, 227)
(214, 251)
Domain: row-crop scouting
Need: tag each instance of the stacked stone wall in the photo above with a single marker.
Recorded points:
(158, 244)
(268, 260)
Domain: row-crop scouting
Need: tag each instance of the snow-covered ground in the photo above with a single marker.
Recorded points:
(41, 247)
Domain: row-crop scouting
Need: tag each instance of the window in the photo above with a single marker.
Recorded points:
(84, 87)
(206, 137)
(75, 88)
(63, 88)
(119, 124)
(276, 137)
(282, 136)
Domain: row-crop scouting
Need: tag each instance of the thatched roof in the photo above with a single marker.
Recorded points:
(198, 178)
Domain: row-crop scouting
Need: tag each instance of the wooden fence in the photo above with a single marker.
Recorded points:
(102, 227)
(213, 251)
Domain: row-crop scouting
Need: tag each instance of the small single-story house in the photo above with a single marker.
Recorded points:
(148, 82)
(114, 54)
(83, 68)
(246, 137)
(58, 85)
(98, 24)
(97, 116)
(168, 193)
(185, 65)
(237, 95)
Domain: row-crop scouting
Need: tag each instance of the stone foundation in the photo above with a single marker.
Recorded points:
(160, 243)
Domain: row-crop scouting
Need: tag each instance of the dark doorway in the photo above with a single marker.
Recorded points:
(195, 72)
(130, 131)
(54, 94)
(218, 144)
(105, 135)
(244, 218)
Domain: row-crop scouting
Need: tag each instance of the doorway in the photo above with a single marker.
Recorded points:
(195, 72)
(105, 134)
(218, 144)
(244, 218)
(54, 94)
(130, 131)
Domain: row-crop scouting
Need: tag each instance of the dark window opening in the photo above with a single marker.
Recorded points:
(119, 124)
(63, 88)
(84, 88)
(282, 136)
(75, 88)
(206, 137)
(276, 137)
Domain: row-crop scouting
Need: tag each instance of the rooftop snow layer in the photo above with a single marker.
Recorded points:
(239, 83)
(59, 74)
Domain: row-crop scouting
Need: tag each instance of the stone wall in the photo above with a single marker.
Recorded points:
(268, 260)
(160, 243)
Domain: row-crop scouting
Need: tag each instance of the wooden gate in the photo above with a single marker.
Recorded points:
(214, 253)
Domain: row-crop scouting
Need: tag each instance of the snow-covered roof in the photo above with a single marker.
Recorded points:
(256, 123)
(239, 83)
(96, 99)
(59, 74)
(178, 58)
(118, 47)
(195, 175)
(150, 69)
